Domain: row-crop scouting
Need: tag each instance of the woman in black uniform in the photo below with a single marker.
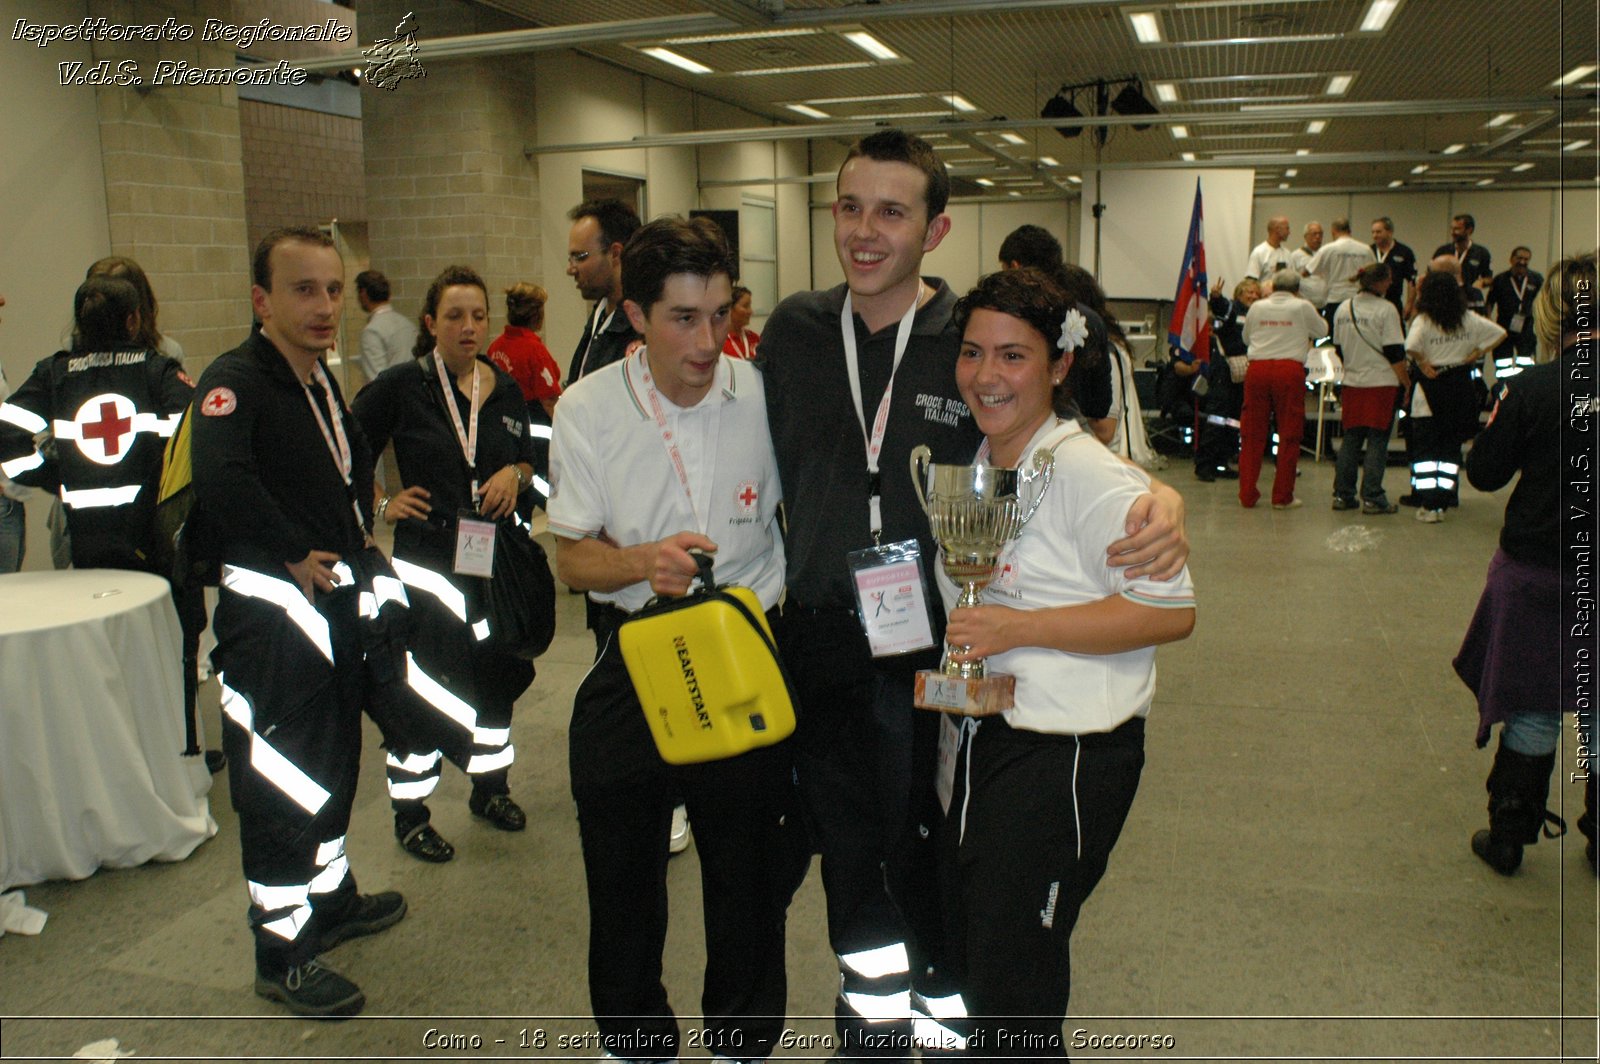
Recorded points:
(461, 442)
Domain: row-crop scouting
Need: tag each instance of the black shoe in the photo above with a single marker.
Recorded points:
(1344, 504)
(216, 761)
(1227, 474)
(427, 844)
(500, 811)
(1409, 499)
(313, 989)
(366, 915)
(1499, 854)
(1207, 475)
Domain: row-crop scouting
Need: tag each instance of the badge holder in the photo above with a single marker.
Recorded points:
(474, 545)
(892, 597)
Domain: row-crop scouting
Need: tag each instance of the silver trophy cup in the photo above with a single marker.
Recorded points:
(974, 511)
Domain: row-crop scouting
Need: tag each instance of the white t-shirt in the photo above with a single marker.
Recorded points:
(610, 472)
(1443, 350)
(1266, 260)
(1363, 326)
(1336, 264)
(1059, 559)
(1282, 325)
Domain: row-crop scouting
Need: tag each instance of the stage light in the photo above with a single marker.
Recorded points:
(1058, 106)
(1130, 101)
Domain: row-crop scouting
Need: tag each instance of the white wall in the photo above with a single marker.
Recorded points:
(52, 205)
(1145, 227)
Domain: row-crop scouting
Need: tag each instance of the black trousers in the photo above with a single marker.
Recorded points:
(1033, 819)
(294, 682)
(865, 759)
(740, 811)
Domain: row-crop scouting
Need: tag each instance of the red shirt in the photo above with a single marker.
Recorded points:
(745, 348)
(522, 354)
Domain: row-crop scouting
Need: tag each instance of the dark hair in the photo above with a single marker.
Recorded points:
(374, 285)
(1081, 287)
(1467, 218)
(618, 221)
(261, 262)
(668, 246)
(1029, 295)
(525, 305)
(1384, 220)
(1439, 296)
(1522, 247)
(1370, 276)
(100, 311)
(898, 146)
(1565, 303)
(740, 291)
(449, 277)
(1031, 245)
(124, 268)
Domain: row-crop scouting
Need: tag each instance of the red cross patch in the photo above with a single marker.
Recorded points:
(747, 496)
(219, 402)
(105, 428)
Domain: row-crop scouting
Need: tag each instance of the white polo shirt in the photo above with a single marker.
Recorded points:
(1282, 325)
(1442, 350)
(611, 472)
(1337, 262)
(1266, 260)
(1059, 559)
(1362, 327)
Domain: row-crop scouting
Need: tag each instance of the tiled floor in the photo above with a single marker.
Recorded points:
(1294, 882)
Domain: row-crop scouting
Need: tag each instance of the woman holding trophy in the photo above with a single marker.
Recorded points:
(1040, 790)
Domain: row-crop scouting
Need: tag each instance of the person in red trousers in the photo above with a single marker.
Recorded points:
(1279, 331)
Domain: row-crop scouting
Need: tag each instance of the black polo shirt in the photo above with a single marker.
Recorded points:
(1504, 303)
(820, 445)
(609, 346)
(1476, 264)
(405, 404)
(1402, 263)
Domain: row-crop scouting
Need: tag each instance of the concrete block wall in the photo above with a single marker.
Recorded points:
(300, 168)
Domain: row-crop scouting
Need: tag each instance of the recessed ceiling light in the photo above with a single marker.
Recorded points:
(1577, 73)
(1420, 168)
(1487, 181)
(811, 68)
(1166, 92)
(1339, 84)
(870, 44)
(1180, 132)
(1188, 156)
(1146, 26)
(1283, 184)
(1011, 138)
(807, 110)
(1378, 14)
(1302, 151)
(1522, 168)
(1075, 179)
(1575, 145)
(1048, 160)
(1499, 120)
(1291, 172)
(1454, 148)
(985, 182)
(958, 101)
(1396, 183)
(666, 55)
(1013, 192)
(1317, 126)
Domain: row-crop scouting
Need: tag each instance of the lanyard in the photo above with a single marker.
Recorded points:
(742, 342)
(1383, 256)
(671, 446)
(1521, 292)
(338, 443)
(880, 423)
(467, 436)
(1461, 255)
(596, 327)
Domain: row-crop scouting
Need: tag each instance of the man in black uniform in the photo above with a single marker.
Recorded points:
(283, 479)
(1510, 305)
(594, 260)
(1477, 265)
(1401, 260)
(856, 377)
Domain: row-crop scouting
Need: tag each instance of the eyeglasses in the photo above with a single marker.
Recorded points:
(578, 258)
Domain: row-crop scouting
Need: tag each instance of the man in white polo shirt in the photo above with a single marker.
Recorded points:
(665, 452)
(1337, 263)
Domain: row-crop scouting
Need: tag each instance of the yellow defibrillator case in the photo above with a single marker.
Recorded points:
(707, 673)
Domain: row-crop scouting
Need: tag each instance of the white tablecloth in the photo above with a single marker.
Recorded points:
(91, 727)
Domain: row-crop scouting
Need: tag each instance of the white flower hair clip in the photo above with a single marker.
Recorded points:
(1074, 331)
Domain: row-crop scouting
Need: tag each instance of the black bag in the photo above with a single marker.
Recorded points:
(521, 599)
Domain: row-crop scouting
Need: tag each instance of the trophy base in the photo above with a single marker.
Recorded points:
(979, 696)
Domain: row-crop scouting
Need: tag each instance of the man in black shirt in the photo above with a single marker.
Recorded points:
(1510, 305)
(1477, 265)
(283, 481)
(594, 260)
(1400, 259)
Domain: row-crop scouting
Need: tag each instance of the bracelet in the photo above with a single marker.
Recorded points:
(383, 508)
(522, 478)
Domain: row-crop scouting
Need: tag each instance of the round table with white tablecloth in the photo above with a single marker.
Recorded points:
(92, 771)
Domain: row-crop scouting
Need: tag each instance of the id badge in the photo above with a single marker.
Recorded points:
(1517, 322)
(892, 597)
(474, 546)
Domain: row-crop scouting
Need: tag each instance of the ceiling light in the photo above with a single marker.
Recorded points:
(1575, 145)
(985, 182)
(1499, 120)
(1075, 179)
(1420, 168)
(1166, 92)
(1146, 26)
(1011, 138)
(1378, 14)
(1302, 151)
(1291, 172)
(1180, 132)
(1283, 184)
(1454, 148)
(870, 44)
(1577, 73)
(1048, 160)
(812, 68)
(666, 55)
(1522, 168)
(1396, 183)
(1013, 192)
(959, 102)
(1187, 156)
(1486, 181)
(1317, 126)
(1339, 84)
(808, 111)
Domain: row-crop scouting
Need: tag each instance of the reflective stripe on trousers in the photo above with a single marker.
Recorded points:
(287, 907)
(889, 967)
(265, 759)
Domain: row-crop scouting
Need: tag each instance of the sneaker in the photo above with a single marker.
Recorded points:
(1344, 504)
(1292, 504)
(1379, 508)
(678, 841)
(1430, 517)
(500, 811)
(367, 915)
(313, 989)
